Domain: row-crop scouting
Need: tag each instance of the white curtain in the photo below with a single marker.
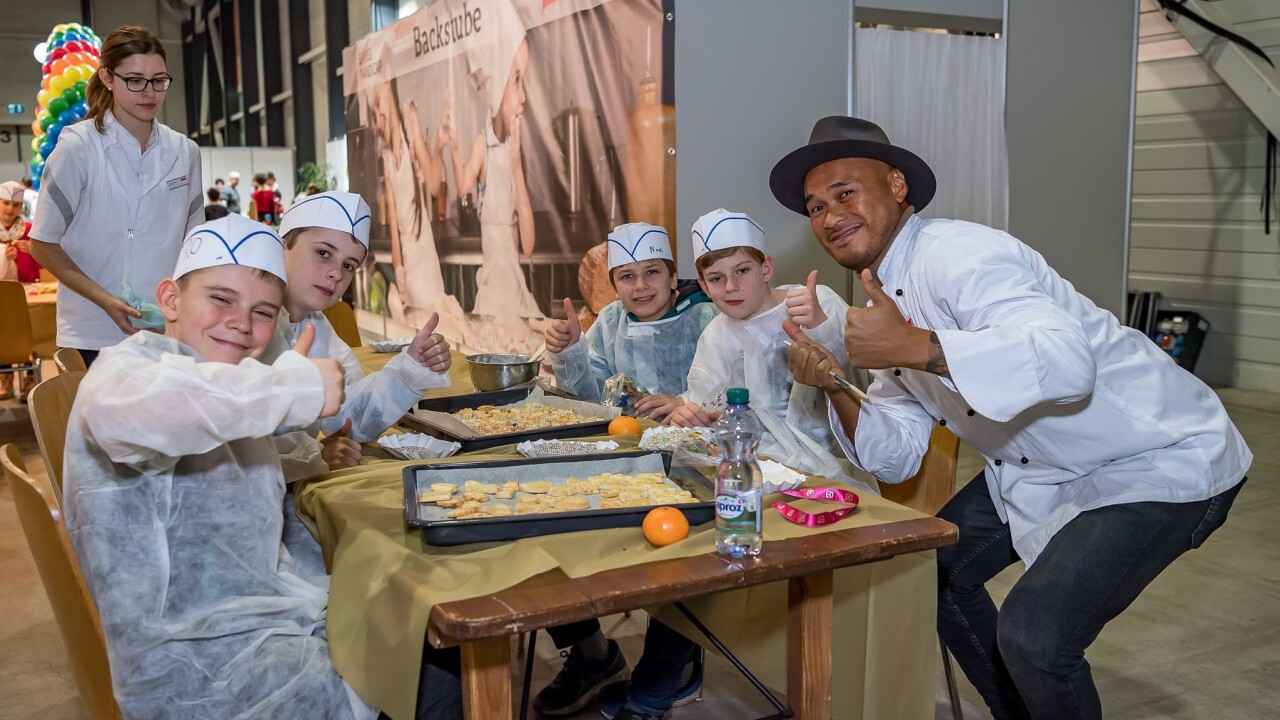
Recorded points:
(942, 97)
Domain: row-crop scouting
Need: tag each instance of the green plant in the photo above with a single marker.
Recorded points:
(315, 174)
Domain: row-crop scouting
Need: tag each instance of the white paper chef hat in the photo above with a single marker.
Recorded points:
(634, 242)
(343, 211)
(720, 229)
(489, 63)
(231, 240)
(11, 190)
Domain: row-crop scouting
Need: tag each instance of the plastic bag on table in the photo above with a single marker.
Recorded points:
(621, 391)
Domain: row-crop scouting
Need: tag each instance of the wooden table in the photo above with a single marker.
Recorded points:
(483, 626)
(43, 309)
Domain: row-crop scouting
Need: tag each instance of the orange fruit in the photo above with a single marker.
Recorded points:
(665, 525)
(623, 425)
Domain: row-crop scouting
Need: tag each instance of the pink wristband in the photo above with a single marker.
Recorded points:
(821, 494)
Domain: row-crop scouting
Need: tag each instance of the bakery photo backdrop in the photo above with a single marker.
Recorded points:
(498, 142)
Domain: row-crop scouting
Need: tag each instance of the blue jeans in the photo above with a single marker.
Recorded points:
(1027, 659)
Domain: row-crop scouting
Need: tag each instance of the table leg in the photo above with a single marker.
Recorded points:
(809, 608)
(486, 679)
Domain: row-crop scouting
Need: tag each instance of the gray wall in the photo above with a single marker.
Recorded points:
(1068, 115)
(1197, 233)
(753, 75)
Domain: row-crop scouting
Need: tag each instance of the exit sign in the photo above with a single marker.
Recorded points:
(17, 108)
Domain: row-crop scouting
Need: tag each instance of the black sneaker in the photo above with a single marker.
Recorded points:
(579, 681)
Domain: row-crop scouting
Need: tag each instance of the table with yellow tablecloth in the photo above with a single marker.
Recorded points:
(385, 582)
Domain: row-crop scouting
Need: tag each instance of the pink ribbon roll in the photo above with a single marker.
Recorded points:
(821, 494)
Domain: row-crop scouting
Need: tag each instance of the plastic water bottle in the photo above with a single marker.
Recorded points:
(738, 484)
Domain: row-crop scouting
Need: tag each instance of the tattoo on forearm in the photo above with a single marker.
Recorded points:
(937, 361)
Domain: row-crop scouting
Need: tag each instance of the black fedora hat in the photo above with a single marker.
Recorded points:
(837, 137)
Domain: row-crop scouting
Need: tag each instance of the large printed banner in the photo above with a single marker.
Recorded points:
(498, 142)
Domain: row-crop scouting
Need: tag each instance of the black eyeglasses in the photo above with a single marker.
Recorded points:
(138, 84)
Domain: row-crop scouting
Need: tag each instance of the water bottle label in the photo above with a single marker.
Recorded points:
(731, 507)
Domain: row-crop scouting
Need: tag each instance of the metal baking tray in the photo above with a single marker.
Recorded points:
(450, 429)
(439, 530)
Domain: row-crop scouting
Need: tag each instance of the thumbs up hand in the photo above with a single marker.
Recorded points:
(429, 348)
(802, 304)
(564, 333)
(339, 450)
(878, 337)
(810, 363)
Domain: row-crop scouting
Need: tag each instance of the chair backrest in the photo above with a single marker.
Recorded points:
(343, 320)
(73, 608)
(16, 339)
(930, 488)
(69, 360)
(50, 407)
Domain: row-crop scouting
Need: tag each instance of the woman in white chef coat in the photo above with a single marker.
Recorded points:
(1105, 461)
(120, 191)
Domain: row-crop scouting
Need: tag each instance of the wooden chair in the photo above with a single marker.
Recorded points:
(69, 360)
(17, 343)
(927, 491)
(343, 320)
(50, 408)
(78, 622)
(935, 483)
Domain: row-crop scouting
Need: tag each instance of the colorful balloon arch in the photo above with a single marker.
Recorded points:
(71, 58)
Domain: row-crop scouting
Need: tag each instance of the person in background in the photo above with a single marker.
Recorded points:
(218, 185)
(14, 236)
(265, 204)
(212, 197)
(16, 263)
(30, 197)
(313, 189)
(230, 195)
(213, 212)
(273, 186)
(120, 193)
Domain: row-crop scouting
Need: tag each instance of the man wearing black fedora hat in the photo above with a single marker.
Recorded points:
(1105, 461)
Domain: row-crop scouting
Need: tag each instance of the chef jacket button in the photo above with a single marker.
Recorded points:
(943, 422)
(896, 371)
(970, 413)
(898, 292)
(999, 462)
(1025, 461)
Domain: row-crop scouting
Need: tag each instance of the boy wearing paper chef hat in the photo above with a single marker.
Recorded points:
(326, 239)
(173, 493)
(649, 333)
(747, 347)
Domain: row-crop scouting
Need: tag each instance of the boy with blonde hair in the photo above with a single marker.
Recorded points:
(746, 347)
(174, 489)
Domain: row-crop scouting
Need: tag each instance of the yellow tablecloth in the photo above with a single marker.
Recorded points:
(384, 584)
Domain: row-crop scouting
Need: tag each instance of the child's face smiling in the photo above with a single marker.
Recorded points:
(320, 265)
(226, 313)
(739, 286)
(646, 288)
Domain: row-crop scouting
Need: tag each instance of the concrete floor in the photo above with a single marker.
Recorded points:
(1202, 642)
